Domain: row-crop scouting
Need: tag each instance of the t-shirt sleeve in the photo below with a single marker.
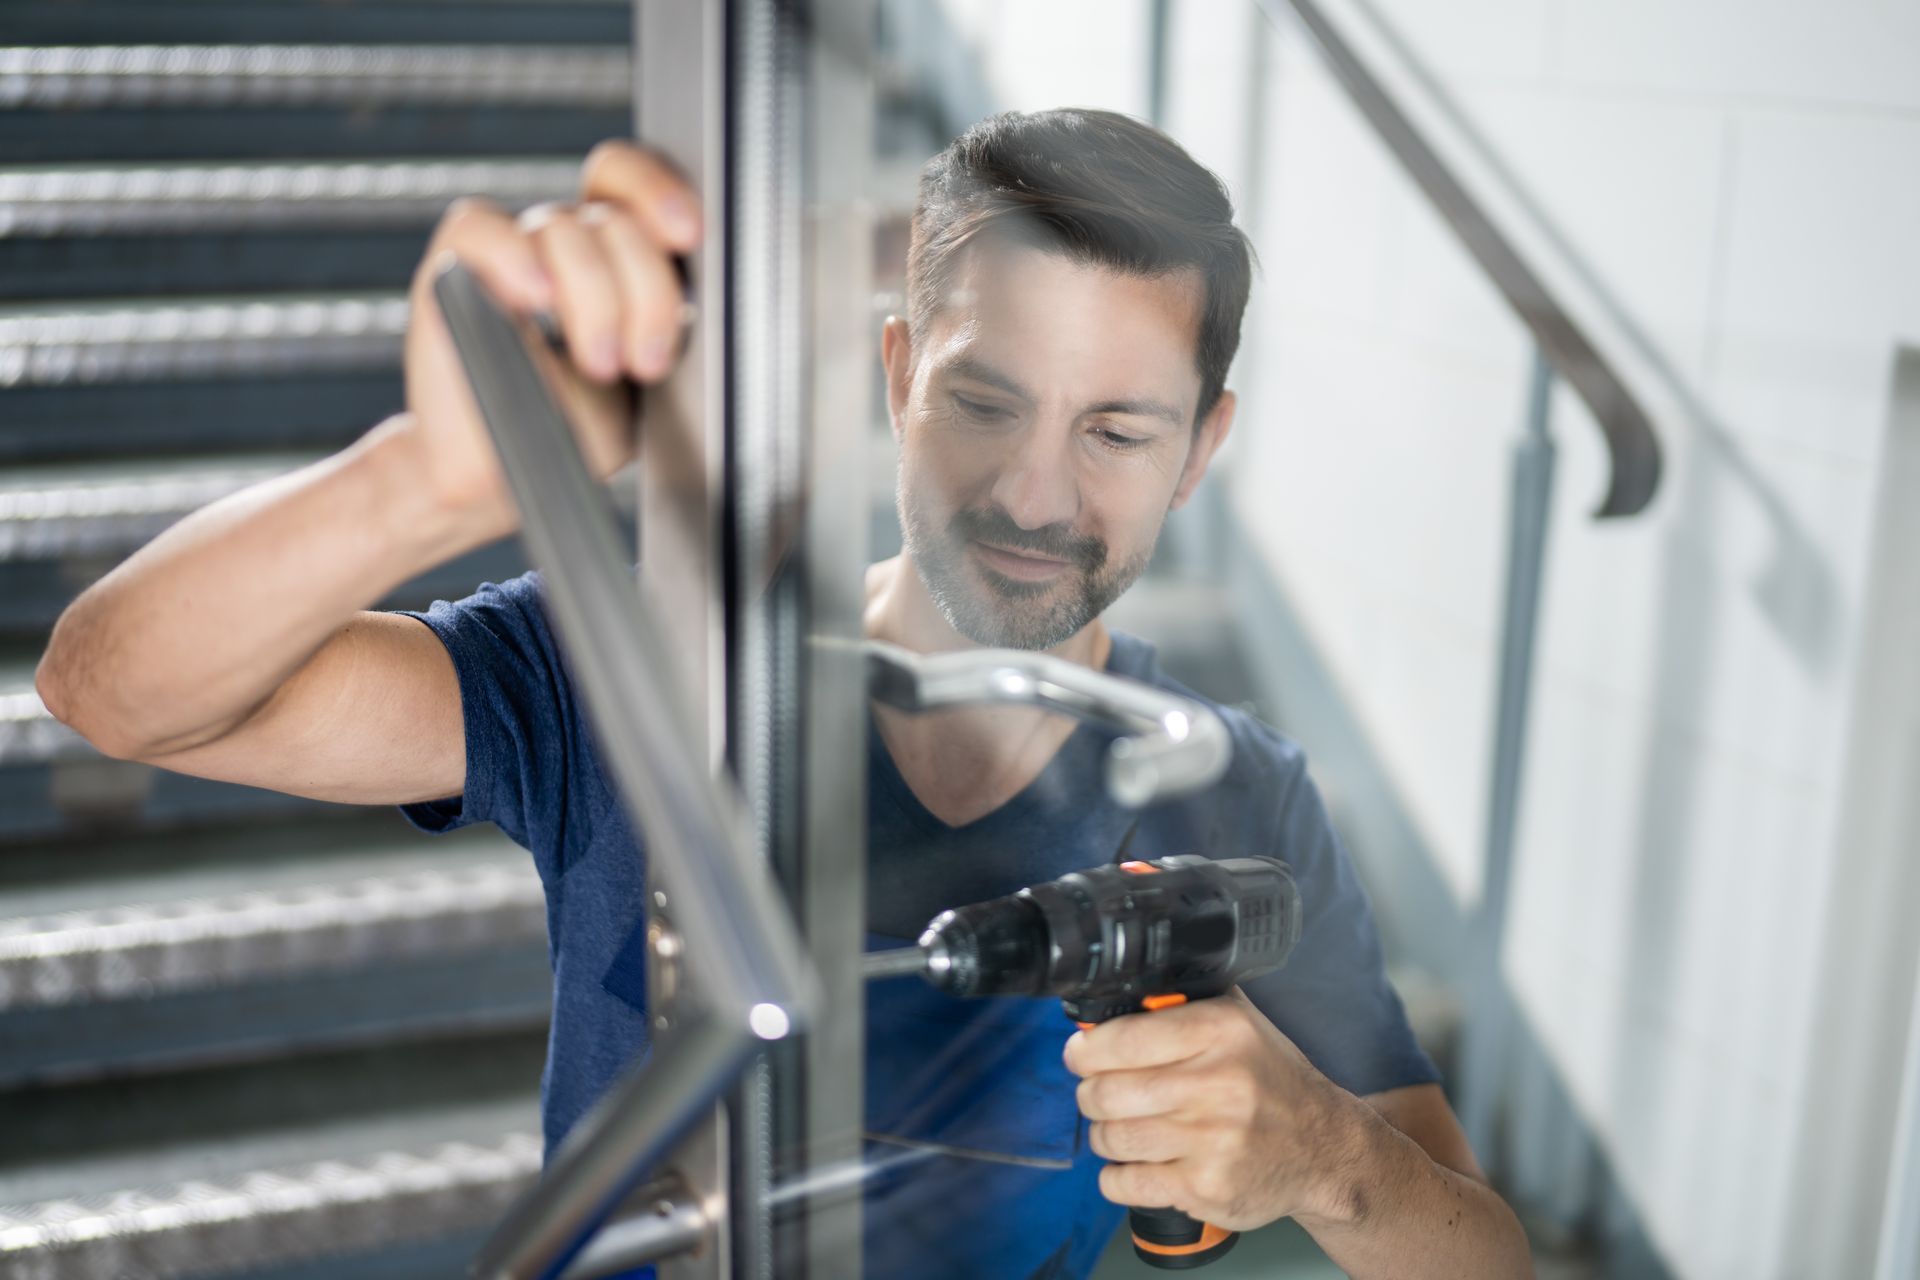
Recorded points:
(514, 705)
(1332, 997)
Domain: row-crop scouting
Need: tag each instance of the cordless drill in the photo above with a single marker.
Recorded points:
(1121, 939)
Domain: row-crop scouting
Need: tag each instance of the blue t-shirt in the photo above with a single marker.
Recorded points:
(967, 1075)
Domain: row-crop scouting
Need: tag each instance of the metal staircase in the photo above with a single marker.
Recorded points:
(243, 1034)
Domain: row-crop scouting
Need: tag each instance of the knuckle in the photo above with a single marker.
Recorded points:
(465, 210)
(1224, 1017)
(604, 155)
(1211, 1185)
(543, 217)
(1123, 1184)
(1238, 1094)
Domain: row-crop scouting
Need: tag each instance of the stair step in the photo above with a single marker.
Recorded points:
(51, 513)
(203, 199)
(77, 77)
(51, 346)
(273, 1216)
(150, 951)
(260, 1164)
(158, 934)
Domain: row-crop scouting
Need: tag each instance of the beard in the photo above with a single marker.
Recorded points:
(992, 609)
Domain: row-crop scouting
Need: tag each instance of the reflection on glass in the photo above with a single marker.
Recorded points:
(1063, 291)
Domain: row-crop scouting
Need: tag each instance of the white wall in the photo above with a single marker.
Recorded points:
(1747, 179)
(1065, 53)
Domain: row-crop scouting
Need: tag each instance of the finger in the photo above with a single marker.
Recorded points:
(1128, 1095)
(1147, 1185)
(647, 187)
(585, 296)
(1150, 1139)
(648, 286)
(483, 236)
(1142, 1040)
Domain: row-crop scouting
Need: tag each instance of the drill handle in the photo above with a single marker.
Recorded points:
(1166, 1239)
(1169, 1240)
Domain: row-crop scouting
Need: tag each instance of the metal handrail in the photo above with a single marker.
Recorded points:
(1520, 257)
(1170, 745)
(754, 979)
(1580, 334)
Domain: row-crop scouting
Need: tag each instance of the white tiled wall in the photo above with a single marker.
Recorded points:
(1066, 53)
(1745, 178)
(1813, 56)
(1823, 264)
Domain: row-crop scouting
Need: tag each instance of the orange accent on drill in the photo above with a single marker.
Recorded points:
(1122, 939)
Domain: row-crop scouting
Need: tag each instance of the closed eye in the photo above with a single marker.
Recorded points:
(979, 410)
(1118, 439)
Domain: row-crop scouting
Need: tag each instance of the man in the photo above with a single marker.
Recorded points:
(1075, 287)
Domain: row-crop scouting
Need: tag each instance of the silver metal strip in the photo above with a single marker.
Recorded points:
(273, 1216)
(213, 338)
(1488, 1040)
(681, 103)
(1170, 745)
(765, 440)
(92, 77)
(198, 199)
(835, 341)
(146, 949)
(1580, 331)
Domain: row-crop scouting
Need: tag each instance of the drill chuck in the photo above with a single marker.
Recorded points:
(996, 948)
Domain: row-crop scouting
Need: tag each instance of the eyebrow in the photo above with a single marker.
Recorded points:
(976, 370)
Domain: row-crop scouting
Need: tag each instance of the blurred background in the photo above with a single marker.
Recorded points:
(1633, 796)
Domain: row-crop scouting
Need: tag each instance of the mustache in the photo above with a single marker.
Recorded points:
(991, 524)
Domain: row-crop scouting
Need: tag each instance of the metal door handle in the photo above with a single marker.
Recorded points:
(1169, 745)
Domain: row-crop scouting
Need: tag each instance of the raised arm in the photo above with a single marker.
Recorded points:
(238, 644)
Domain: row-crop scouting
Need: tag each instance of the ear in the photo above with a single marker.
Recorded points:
(896, 353)
(1207, 439)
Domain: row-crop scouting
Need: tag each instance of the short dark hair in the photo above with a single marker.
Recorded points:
(1098, 187)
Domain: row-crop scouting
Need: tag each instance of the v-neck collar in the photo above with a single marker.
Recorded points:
(1126, 656)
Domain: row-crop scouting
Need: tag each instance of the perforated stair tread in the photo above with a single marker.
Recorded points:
(220, 920)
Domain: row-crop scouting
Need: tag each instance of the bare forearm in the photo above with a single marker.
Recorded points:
(197, 628)
(1407, 1217)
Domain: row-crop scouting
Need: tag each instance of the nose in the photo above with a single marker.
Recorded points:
(1037, 485)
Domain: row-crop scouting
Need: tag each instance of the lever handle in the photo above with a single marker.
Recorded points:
(1169, 745)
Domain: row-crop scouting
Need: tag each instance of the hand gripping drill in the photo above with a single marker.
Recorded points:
(1126, 938)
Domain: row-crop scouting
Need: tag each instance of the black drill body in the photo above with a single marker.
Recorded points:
(1120, 939)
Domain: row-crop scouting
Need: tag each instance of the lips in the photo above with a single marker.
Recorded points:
(1019, 564)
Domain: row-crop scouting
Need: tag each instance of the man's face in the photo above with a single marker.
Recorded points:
(1046, 428)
